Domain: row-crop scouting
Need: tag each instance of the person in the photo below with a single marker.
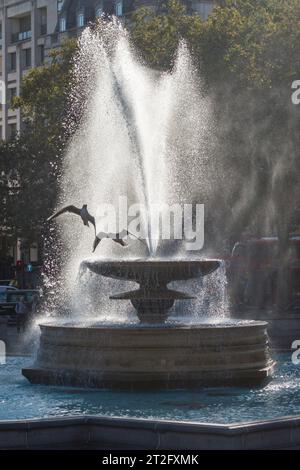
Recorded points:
(22, 312)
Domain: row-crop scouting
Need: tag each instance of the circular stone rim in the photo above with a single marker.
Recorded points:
(201, 326)
(211, 264)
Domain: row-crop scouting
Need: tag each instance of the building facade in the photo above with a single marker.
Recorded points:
(29, 29)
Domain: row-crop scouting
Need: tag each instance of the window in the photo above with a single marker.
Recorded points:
(12, 130)
(12, 92)
(12, 61)
(119, 8)
(26, 57)
(21, 36)
(41, 50)
(24, 30)
(98, 12)
(25, 35)
(25, 24)
(43, 29)
(60, 5)
(43, 20)
(62, 24)
(80, 20)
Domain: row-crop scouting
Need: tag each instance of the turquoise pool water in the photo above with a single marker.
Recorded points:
(281, 397)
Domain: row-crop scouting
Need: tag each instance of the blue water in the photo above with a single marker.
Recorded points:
(281, 397)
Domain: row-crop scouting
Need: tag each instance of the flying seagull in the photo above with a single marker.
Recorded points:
(86, 217)
(117, 238)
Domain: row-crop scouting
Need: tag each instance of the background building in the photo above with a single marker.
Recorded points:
(30, 29)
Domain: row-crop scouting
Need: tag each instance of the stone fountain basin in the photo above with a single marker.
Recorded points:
(160, 357)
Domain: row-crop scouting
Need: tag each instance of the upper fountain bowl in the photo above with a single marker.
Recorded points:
(153, 299)
(144, 270)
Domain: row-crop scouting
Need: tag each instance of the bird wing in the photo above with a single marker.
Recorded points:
(72, 209)
(96, 243)
(92, 220)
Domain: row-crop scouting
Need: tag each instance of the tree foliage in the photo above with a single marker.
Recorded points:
(45, 93)
(156, 34)
(30, 163)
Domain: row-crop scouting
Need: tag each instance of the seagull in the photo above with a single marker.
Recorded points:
(117, 238)
(83, 213)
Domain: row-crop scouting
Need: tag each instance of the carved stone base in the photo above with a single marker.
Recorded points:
(153, 357)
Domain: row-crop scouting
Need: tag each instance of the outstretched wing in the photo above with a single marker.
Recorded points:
(96, 243)
(92, 220)
(72, 209)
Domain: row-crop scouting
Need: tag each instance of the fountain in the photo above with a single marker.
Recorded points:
(145, 135)
(153, 299)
